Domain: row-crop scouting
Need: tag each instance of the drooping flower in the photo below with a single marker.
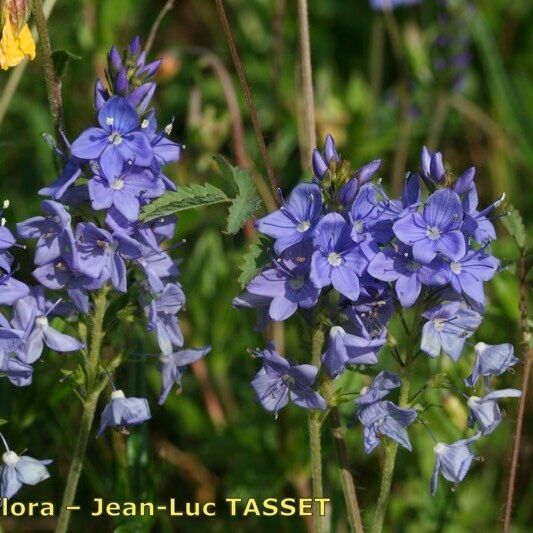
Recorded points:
(295, 221)
(491, 360)
(453, 461)
(382, 417)
(50, 230)
(436, 230)
(279, 382)
(337, 261)
(173, 366)
(117, 141)
(345, 349)
(122, 412)
(162, 317)
(32, 317)
(486, 412)
(18, 470)
(447, 328)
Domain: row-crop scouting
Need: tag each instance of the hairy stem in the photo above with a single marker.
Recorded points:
(89, 409)
(53, 84)
(391, 449)
(526, 339)
(347, 482)
(315, 446)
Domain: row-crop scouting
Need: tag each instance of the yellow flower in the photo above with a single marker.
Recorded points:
(15, 47)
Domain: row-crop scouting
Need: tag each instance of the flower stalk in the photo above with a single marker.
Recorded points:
(53, 85)
(94, 389)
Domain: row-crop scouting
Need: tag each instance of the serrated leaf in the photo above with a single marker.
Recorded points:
(246, 202)
(515, 226)
(184, 198)
(252, 261)
(61, 59)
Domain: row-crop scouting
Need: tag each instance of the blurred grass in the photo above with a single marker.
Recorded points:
(189, 451)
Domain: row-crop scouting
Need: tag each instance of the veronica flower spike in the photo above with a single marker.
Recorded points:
(295, 221)
(485, 410)
(436, 229)
(453, 461)
(279, 381)
(491, 360)
(337, 261)
(118, 140)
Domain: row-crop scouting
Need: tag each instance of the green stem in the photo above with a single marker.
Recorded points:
(315, 446)
(53, 85)
(89, 408)
(347, 483)
(391, 450)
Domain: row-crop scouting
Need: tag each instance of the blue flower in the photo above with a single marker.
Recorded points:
(50, 231)
(491, 360)
(117, 141)
(345, 349)
(382, 417)
(287, 283)
(453, 461)
(486, 412)
(436, 230)
(173, 366)
(337, 261)
(322, 162)
(447, 328)
(279, 382)
(18, 470)
(122, 412)
(261, 304)
(295, 221)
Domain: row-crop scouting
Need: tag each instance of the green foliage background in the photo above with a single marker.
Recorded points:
(213, 440)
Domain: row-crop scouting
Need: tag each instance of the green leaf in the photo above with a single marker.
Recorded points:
(184, 198)
(61, 60)
(252, 261)
(515, 226)
(246, 202)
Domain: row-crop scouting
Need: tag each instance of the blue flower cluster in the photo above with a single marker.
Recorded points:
(347, 251)
(90, 236)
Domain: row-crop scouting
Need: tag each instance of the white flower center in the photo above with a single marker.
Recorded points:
(456, 267)
(41, 322)
(334, 259)
(472, 401)
(438, 323)
(480, 347)
(303, 226)
(439, 448)
(117, 185)
(115, 138)
(10, 458)
(297, 283)
(433, 233)
(117, 394)
(336, 330)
